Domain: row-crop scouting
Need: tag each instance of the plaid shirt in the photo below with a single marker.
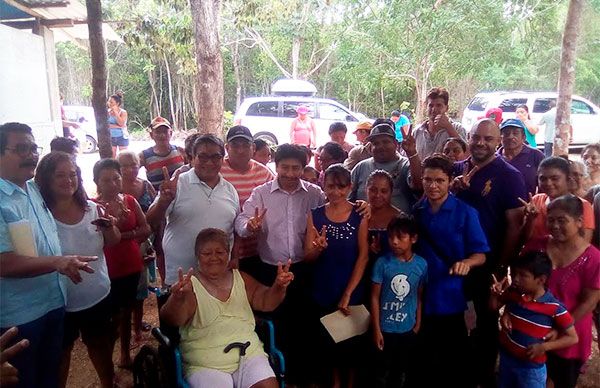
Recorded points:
(428, 145)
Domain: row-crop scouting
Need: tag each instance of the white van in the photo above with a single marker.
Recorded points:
(270, 118)
(585, 116)
(86, 134)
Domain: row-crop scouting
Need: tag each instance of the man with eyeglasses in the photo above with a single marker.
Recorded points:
(193, 201)
(245, 175)
(32, 293)
(405, 171)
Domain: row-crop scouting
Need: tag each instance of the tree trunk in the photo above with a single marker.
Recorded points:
(295, 56)
(170, 85)
(235, 61)
(566, 78)
(98, 57)
(209, 90)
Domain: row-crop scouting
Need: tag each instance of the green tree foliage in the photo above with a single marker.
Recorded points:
(371, 55)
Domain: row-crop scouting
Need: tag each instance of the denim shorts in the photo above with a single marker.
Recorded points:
(119, 141)
(514, 373)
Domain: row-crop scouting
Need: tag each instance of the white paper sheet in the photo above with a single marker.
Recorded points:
(341, 327)
(21, 236)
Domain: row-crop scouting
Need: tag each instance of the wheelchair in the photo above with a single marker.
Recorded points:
(162, 366)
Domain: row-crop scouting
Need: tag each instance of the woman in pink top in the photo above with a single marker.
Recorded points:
(575, 281)
(303, 130)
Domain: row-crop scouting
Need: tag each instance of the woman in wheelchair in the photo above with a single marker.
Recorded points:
(212, 306)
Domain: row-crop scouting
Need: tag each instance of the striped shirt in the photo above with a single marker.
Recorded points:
(531, 321)
(154, 164)
(244, 183)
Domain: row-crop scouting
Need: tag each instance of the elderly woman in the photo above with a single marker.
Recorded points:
(212, 306)
(82, 231)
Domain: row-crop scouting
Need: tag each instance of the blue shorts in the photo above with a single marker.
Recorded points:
(514, 373)
(38, 364)
(119, 141)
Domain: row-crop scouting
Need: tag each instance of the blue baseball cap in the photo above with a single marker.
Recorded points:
(514, 123)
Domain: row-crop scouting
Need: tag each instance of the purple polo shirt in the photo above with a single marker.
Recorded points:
(494, 189)
(527, 162)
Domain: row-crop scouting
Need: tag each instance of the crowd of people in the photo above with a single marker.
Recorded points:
(464, 249)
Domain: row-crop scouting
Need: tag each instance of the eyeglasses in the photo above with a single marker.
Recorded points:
(213, 158)
(24, 150)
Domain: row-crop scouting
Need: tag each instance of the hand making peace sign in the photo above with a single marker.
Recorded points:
(284, 276)
(409, 144)
(168, 188)
(320, 241)
(463, 182)
(255, 223)
(531, 211)
(184, 285)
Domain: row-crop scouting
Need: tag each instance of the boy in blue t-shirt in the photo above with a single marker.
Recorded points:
(530, 314)
(396, 302)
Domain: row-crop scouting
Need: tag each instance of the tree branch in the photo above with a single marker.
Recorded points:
(261, 42)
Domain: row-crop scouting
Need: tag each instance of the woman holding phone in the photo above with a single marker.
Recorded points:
(83, 230)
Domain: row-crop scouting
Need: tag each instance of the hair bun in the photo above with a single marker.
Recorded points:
(120, 93)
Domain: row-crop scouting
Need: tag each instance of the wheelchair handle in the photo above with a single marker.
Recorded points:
(161, 338)
(241, 345)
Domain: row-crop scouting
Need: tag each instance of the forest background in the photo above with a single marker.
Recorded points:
(372, 56)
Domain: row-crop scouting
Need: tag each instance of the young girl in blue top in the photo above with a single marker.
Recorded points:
(336, 240)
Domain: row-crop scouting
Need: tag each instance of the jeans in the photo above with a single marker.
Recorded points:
(38, 364)
(548, 149)
(513, 374)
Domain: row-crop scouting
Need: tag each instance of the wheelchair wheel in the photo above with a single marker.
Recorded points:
(149, 370)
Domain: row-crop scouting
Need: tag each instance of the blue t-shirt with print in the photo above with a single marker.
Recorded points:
(400, 282)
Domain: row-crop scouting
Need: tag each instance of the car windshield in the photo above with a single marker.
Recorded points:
(478, 103)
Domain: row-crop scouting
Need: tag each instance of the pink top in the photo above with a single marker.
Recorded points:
(566, 284)
(301, 132)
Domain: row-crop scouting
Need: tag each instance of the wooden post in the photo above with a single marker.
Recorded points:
(98, 56)
(566, 79)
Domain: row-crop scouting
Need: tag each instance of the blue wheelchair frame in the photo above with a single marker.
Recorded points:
(264, 328)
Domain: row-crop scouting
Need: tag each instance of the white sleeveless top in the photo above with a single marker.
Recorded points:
(83, 239)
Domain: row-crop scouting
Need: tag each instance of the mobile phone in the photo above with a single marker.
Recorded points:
(102, 222)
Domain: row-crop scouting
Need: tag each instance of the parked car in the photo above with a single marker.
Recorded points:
(270, 118)
(86, 133)
(585, 116)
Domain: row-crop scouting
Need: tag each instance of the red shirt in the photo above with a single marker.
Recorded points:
(125, 257)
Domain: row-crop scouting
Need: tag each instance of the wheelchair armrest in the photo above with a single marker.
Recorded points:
(161, 338)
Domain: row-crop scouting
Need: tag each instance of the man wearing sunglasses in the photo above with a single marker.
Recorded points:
(193, 201)
(32, 293)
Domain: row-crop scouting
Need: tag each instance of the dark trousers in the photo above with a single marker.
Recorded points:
(290, 317)
(443, 356)
(38, 364)
(394, 364)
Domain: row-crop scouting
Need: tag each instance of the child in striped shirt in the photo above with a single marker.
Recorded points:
(531, 313)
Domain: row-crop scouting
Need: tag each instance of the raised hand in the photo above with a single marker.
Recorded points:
(375, 245)
(9, 375)
(71, 265)
(184, 285)
(531, 211)
(104, 220)
(442, 122)
(498, 287)
(320, 241)
(363, 208)
(460, 268)
(463, 182)
(255, 223)
(168, 187)
(409, 144)
(284, 276)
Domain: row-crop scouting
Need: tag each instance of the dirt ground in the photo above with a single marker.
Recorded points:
(83, 375)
